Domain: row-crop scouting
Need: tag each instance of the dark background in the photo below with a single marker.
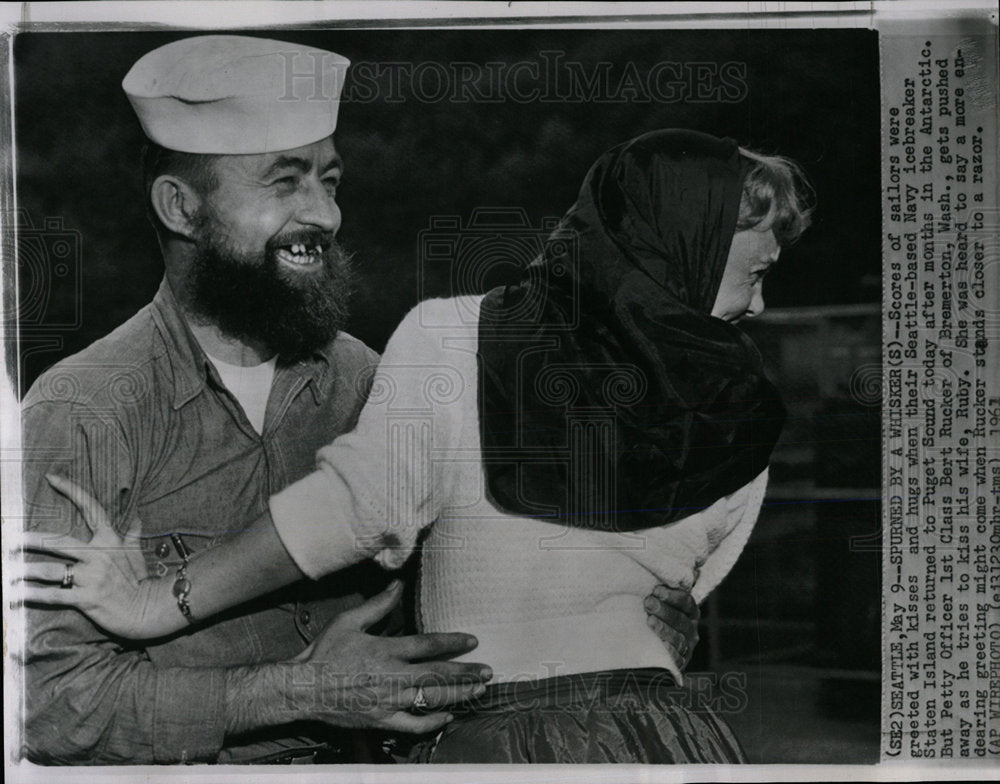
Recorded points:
(798, 617)
(811, 95)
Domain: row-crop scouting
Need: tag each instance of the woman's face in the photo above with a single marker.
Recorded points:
(741, 293)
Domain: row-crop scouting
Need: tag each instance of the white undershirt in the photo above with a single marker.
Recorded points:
(250, 385)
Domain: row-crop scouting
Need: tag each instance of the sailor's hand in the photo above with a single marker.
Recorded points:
(673, 614)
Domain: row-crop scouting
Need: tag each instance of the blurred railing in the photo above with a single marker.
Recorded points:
(806, 590)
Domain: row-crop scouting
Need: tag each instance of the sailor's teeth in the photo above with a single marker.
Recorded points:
(319, 249)
(301, 259)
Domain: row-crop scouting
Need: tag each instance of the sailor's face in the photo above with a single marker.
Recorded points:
(752, 253)
(267, 266)
(280, 205)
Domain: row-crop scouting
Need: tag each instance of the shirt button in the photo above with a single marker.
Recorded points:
(305, 617)
(162, 549)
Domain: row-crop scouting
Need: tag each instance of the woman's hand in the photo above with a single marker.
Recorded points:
(105, 578)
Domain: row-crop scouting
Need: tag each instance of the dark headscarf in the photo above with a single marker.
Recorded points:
(610, 398)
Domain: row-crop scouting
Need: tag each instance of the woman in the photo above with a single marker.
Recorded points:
(576, 438)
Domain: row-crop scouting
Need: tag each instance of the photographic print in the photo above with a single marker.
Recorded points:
(499, 387)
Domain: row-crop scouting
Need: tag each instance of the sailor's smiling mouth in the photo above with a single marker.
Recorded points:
(301, 254)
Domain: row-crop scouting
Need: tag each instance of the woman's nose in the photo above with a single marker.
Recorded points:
(756, 306)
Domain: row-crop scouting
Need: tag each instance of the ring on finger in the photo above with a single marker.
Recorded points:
(67, 580)
(420, 699)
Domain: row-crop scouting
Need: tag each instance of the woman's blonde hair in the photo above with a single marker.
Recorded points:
(775, 187)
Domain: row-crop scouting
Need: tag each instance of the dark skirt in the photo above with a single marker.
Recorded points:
(622, 716)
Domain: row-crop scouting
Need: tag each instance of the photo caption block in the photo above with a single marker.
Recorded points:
(941, 391)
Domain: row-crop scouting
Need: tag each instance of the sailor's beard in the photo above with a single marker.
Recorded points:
(251, 297)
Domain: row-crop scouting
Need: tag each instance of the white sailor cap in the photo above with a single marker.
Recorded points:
(230, 94)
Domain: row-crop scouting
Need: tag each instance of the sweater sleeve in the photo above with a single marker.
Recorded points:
(376, 488)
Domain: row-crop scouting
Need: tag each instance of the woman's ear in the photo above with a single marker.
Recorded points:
(176, 204)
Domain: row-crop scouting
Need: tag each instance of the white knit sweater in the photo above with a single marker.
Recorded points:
(542, 598)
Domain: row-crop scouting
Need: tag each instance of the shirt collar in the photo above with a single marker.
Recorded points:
(191, 367)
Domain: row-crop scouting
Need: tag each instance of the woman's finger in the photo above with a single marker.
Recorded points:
(46, 571)
(32, 593)
(91, 510)
(53, 544)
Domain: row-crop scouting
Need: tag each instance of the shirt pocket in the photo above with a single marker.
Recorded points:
(256, 631)
(203, 511)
